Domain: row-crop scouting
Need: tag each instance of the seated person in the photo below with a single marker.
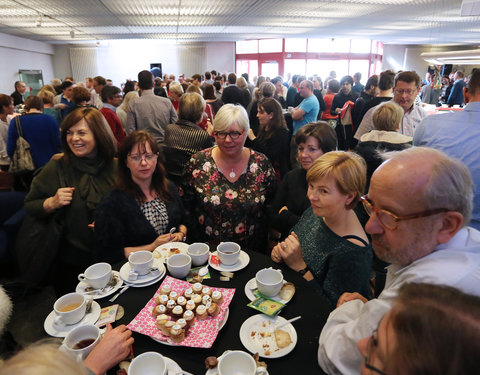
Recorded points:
(328, 246)
(138, 214)
(387, 119)
(313, 140)
(46, 358)
(430, 329)
(420, 202)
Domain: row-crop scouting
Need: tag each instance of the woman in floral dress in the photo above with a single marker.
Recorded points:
(228, 186)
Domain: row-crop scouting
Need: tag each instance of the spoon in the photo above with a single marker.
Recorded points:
(172, 231)
(203, 271)
(287, 322)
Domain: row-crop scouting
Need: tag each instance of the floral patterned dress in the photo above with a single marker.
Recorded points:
(220, 210)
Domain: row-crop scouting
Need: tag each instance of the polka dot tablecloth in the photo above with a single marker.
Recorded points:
(201, 335)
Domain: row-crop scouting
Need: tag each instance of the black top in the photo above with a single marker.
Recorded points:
(321, 102)
(17, 98)
(293, 194)
(233, 95)
(340, 99)
(372, 103)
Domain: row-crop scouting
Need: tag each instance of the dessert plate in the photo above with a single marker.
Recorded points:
(256, 334)
(242, 262)
(251, 286)
(62, 331)
(145, 280)
(108, 291)
(165, 251)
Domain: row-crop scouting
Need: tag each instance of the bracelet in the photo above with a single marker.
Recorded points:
(304, 271)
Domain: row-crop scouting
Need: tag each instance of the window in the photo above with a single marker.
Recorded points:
(270, 69)
(295, 45)
(361, 45)
(329, 45)
(270, 45)
(294, 66)
(247, 46)
(247, 66)
(361, 66)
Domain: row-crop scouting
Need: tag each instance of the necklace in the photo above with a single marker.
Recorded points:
(232, 174)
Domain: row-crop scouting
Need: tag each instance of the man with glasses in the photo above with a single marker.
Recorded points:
(112, 98)
(405, 90)
(420, 203)
(17, 95)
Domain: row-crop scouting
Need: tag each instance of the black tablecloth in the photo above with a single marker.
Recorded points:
(306, 302)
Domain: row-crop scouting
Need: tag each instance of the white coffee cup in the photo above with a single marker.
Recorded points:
(199, 252)
(228, 253)
(179, 265)
(81, 340)
(141, 262)
(149, 363)
(97, 275)
(269, 281)
(236, 362)
(70, 309)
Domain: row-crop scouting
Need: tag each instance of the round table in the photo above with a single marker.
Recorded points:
(306, 302)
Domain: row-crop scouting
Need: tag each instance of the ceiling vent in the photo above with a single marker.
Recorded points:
(470, 8)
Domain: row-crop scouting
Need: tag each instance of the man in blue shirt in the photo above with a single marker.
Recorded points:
(458, 135)
(308, 109)
(456, 95)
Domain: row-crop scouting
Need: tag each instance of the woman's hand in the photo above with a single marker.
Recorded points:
(291, 252)
(251, 134)
(114, 347)
(177, 237)
(164, 238)
(63, 197)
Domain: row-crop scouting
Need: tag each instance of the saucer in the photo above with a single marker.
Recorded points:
(82, 285)
(144, 280)
(253, 338)
(55, 331)
(163, 252)
(213, 371)
(251, 296)
(242, 262)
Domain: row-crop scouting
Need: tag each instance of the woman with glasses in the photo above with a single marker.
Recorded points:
(273, 138)
(329, 246)
(431, 329)
(88, 169)
(139, 212)
(228, 186)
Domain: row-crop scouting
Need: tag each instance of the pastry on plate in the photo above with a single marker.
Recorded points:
(213, 309)
(177, 333)
(282, 338)
(287, 291)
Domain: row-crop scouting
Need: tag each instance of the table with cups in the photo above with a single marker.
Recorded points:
(251, 271)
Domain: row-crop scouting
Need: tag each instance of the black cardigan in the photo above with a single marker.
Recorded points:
(120, 223)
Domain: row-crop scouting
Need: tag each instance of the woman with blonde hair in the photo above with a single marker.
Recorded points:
(329, 246)
(122, 109)
(175, 93)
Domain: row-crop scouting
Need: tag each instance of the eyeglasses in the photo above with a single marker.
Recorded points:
(117, 96)
(372, 343)
(147, 157)
(232, 135)
(407, 91)
(390, 220)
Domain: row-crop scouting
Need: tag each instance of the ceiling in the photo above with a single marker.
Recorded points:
(390, 21)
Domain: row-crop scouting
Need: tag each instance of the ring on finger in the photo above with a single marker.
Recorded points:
(284, 246)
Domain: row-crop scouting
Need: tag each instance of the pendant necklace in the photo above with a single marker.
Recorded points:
(232, 174)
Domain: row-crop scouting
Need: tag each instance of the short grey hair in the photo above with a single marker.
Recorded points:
(228, 115)
(177, 88)
(267, 89)
(450, 185)
(241, 83)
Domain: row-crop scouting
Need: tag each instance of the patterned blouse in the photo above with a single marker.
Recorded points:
(155, 212)
(220, 210)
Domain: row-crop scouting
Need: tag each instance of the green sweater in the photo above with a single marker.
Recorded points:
(92, 178)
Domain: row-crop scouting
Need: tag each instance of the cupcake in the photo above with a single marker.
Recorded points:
(177, 334)
(189, 317)
(197, 288)
(159, 310)
(173, 295)
(206, 291)
(182, 323)
(177, 312)
(166, 289)
(190, 305)
(201, 312)
(197, 298)
(206, 299)
(170, 305)
(167, 326)
(188, 293)
(181, 301)
(162, 299)
(217, 297)
(213, 310)
(161, 320)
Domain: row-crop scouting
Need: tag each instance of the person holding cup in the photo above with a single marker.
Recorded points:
(329, 246)
(139, 212)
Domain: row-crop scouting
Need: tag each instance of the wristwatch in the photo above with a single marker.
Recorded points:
(304, 271)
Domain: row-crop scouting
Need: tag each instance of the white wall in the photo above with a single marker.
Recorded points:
(20, 53)
(61, 61)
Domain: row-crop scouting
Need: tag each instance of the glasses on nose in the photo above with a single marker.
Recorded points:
(147, 157)
(232, 135)
(372, 344)
(406, 91)
(390, 220)
(117, 96)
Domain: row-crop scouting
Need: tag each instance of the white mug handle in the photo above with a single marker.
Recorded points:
(82, 277)
(132, 275)
(261, 371)
(58, 321)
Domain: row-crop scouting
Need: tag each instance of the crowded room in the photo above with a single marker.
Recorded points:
(239, 187)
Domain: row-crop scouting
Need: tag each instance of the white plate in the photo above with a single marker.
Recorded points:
(242, 262)
(56, 331)
(213, 371)
(82, 285)
(225, 318)
(249, 292)
(162, 252)
(255, 343)
(145, 280)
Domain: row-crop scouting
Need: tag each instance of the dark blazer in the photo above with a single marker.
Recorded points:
(456, 95)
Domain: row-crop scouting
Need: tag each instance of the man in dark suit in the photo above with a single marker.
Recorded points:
(456, 95)
(17, 95)
(232, 94)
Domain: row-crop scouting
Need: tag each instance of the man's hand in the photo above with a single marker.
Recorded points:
(345, 297)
